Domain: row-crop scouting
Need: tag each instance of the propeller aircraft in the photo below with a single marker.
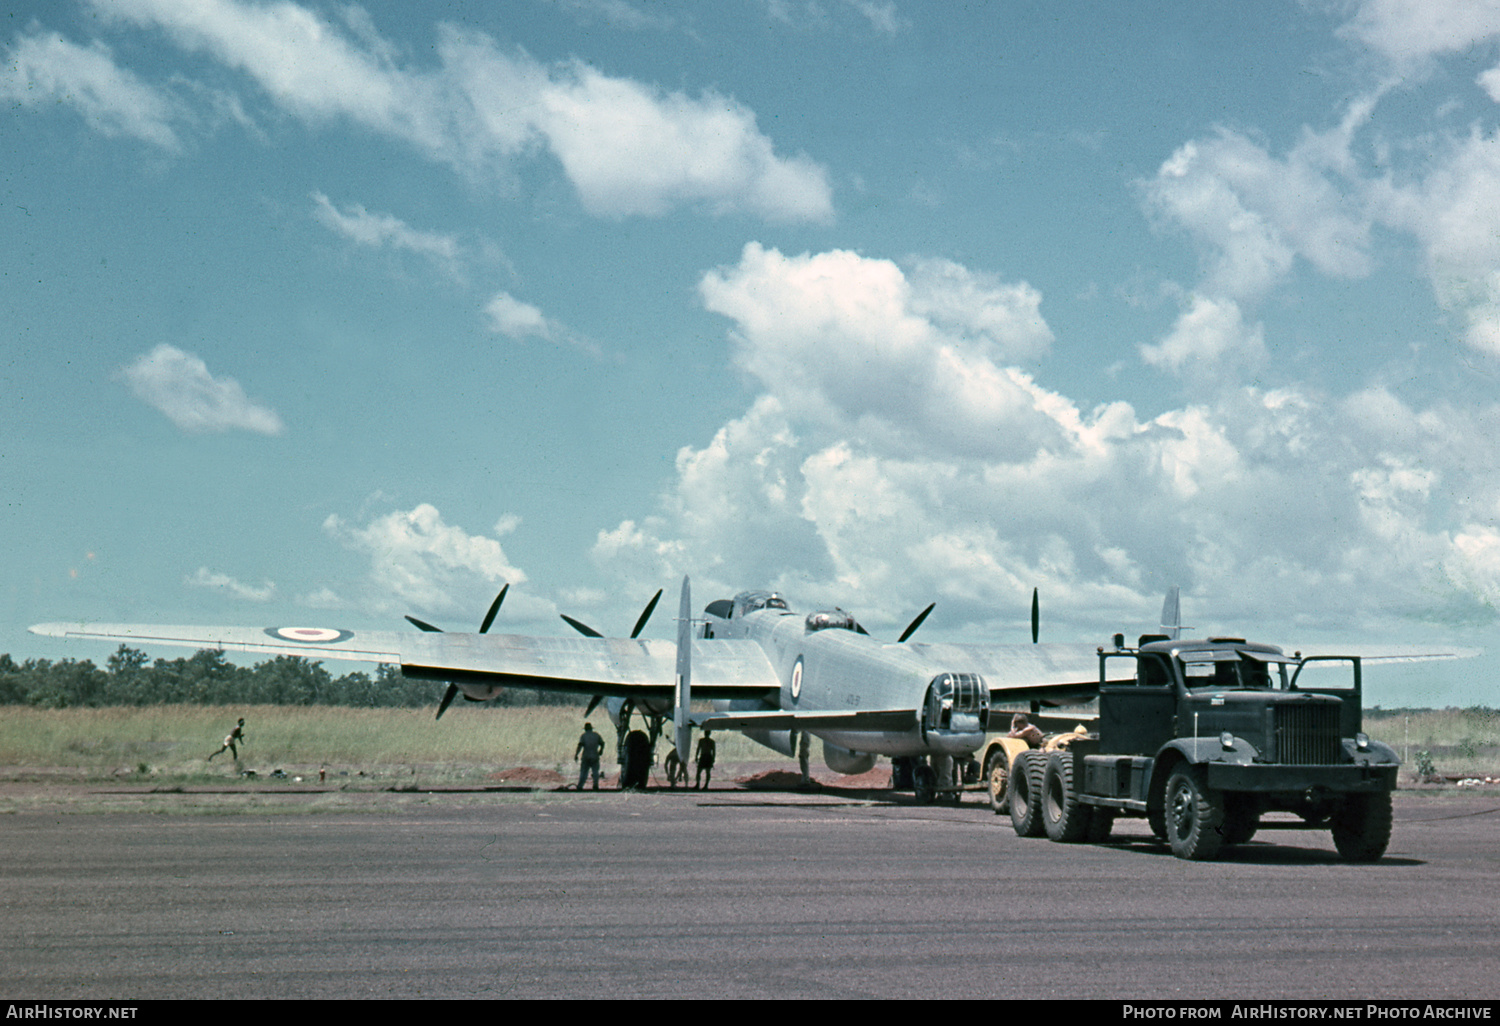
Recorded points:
(774, 675)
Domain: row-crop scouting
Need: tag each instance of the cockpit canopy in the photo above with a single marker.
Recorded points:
(747, 602)
(827, 619)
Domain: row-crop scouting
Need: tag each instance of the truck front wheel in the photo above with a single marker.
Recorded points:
(1362, 826)
(1194, 815)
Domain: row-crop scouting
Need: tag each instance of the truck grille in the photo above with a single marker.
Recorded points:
(1307, 734)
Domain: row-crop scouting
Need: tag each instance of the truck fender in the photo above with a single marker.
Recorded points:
(1183, 750)
(1377, 754)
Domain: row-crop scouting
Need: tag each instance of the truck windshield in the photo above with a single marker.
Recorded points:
(1231, 671)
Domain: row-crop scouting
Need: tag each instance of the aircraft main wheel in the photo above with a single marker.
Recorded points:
(1065, 818)
(924, 782)
(1362, 826)
(1025, 795)
(998, 775)
(1194, 816)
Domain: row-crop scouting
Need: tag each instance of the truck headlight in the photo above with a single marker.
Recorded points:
(1362, 742)
(1226, 741)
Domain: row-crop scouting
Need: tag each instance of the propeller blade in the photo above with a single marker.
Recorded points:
(448, 698)
(1036, 616)
(489, 617)
(911, 628)
(581, 628)
(640, 624)
(424, 626)
(592, 703)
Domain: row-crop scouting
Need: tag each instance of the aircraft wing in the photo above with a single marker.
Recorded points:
(620, 667)
(1054, 674)
(893, 720)
(1391, 653)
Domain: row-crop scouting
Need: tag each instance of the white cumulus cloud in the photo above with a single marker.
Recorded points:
(628, 148)
(206, 578)
(180, 386)
(385, 231)
(855, 341)
(419, 561)
(45, 67)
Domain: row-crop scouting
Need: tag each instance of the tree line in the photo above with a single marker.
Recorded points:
(208, 678)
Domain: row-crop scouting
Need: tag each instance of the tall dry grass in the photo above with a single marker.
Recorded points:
(175, 740)
(179, 738)
(1459, 741)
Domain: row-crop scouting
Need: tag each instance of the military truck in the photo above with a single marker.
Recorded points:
(1203, 738)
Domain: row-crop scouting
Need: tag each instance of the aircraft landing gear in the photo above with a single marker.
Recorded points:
(924, 782)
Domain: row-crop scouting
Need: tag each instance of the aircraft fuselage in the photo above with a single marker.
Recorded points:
(836, 669)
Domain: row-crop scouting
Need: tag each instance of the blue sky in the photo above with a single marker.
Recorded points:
(326, 313)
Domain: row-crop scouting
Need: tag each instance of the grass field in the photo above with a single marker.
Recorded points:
(173, 742)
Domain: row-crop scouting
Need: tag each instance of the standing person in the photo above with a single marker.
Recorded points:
(705, 759)
(588, 753)
(234, 738)
(676, 771)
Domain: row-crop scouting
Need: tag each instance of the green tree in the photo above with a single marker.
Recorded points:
(130, 679)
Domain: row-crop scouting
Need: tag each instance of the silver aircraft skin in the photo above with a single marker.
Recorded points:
(865, 697)
(775, 675)
(771, 673)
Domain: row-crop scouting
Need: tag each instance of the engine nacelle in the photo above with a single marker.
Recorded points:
(842, 760)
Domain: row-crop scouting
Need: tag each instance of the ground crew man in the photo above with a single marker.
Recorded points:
(588, 753)
(705, 759)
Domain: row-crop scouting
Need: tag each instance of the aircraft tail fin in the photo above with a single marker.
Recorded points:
(681, 721)
(1171, 613)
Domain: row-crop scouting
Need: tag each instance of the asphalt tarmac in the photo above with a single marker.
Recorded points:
(726, 894)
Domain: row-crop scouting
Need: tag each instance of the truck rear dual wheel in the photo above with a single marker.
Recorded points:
(1194, 816)
(1362, 826)
(1064, 817)
(1026, 794)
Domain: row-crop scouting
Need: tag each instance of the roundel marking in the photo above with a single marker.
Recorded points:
(310, 635)
(797, 679)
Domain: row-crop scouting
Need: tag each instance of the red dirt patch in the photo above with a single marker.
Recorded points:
(527, 775)
(789, 780)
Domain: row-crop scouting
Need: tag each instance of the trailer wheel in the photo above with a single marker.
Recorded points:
(1025, 795)
(997, 772)
(1362, 826)
(1194, 815)
(1065, 818)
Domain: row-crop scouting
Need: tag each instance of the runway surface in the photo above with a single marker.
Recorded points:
(725, 894)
